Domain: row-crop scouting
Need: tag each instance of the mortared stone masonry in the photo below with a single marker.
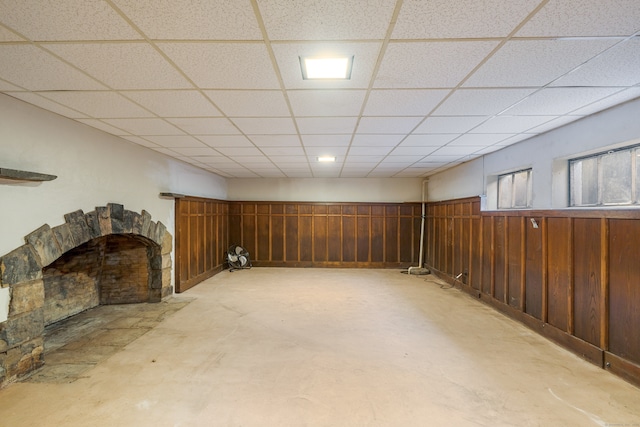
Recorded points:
(108, 256)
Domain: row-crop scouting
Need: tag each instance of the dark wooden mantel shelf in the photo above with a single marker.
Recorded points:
(17, 175)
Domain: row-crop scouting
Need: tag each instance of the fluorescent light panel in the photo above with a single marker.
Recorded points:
(327, 159)
(316, 68)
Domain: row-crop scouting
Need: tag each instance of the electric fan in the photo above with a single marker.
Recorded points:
(238, 258)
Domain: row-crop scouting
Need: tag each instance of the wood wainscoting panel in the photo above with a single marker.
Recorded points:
(307, 234)
(533, 266)
(586, 276)
(560, 276)
(202, 230)
(572, 275)
(624, 289)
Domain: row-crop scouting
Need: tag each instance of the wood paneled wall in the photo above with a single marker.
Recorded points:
(201, 239)
(327, 234)
(572, 275)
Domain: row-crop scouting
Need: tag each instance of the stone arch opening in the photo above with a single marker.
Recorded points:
(109, 256)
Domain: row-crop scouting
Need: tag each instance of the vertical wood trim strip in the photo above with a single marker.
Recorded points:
(493, 257)
(481, 253)
(470, 247)
(571, 291)
(604, 281)
(270, 232)
(523, 264)
(545, 271)
(505, 220)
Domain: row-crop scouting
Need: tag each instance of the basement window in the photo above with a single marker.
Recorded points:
(605, 179)
(514, 190)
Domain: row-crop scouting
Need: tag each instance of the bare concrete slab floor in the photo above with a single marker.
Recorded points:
(328, 347)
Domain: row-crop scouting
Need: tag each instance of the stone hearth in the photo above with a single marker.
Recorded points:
(107, 256)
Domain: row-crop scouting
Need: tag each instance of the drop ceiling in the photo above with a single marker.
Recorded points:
(217, 83)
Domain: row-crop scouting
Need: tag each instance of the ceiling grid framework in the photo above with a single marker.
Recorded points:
(217, 83)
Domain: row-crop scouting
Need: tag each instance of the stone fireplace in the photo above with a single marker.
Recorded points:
(107, 256)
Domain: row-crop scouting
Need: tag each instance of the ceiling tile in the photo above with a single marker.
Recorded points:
(318, 126)
(619, 66)
(511, 124)
(7, 35)
(145, 126)
(369, 151)
(99, 105)
(224, 65)
(534, 62)
(413, 151)
(326, 102)
(262, 126)
(299, 160)
(488, 150)
(610, 101)
(403, 102)
(276, 140)
(481, 102)
(283, 151)
(584, 18)
(174, 103)
(32, 68)
(217, 160)
(292, 167)
(434, 140)
(122, 65)
(350, 164)
(299, 174)
(326, 151)
(388, 125)
(429, 64)
(140, 141)
(193, 19)
(552, 124)
(365, 55)
(313, 20)
(8, 87)
(250, 103)
(66, 20)
(257, 162)
(558, 101)
(380, 140)
(479, 139)
(513, 139)
(176, 141)
(225, 140)
(239, 151)
(397, 163)
(196, 151)
(39, 101)
(461, 150)
(454, 124)
(205, 125)
(326, 140)
(419, 19)
(353, 159)
(106, 127)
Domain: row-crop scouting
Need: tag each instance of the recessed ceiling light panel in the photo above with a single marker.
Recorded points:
(326, 159)
(326, 68)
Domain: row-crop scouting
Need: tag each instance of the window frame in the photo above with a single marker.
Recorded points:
(634, 152)
(513, 198)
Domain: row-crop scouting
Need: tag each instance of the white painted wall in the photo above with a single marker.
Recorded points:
(392, 190)
(547, 154)
(93, 169)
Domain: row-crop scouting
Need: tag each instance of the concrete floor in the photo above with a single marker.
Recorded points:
(330, 347)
